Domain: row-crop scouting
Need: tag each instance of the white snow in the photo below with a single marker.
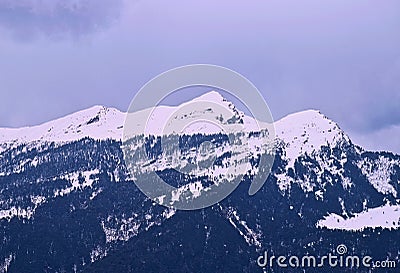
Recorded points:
(378, 173)
(7, 262)
(97, 122)
(250, 236)
(78, 181)
(16, 212)
(168, 213)
(98, 253)
(123, 231)
(207, 114)
(95, 193)
(319, 195)
(386, 217)
(284, 181)
(123, 227)
(302, 132)
(299, 133)
(75, 183)
(306, 132)
(27, 213)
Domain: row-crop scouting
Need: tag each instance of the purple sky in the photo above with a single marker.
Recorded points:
(339, 56)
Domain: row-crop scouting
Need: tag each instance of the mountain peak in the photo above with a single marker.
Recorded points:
(98, 122)
(213, 96)
(307, 131)
(305, 116)
(204, 114)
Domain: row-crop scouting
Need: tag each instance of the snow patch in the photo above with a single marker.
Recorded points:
(378, 173)
(7, 262)
(78, 181)
(386, 217)
(251, 237)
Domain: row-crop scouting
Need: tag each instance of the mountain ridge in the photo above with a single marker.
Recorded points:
(101, 122)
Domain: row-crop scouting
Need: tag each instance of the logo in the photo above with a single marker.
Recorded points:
(341, 249)
(153, 137)
(340, 259)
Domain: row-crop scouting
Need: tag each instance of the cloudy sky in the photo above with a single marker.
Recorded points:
(341, 57)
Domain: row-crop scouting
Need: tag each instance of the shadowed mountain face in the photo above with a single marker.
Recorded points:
(69, 204)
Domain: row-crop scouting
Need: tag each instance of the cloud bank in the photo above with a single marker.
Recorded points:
(26, 19)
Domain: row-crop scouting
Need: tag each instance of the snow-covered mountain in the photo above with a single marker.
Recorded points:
(300, 134)
(302, 131)
(67, 201)
(306, 132)
(97, 122)
(100, 122)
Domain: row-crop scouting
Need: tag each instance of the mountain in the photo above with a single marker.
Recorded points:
(68, 202)
(97, 122)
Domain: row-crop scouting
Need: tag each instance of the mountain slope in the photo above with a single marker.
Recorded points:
(69, 204)
(97, 122)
